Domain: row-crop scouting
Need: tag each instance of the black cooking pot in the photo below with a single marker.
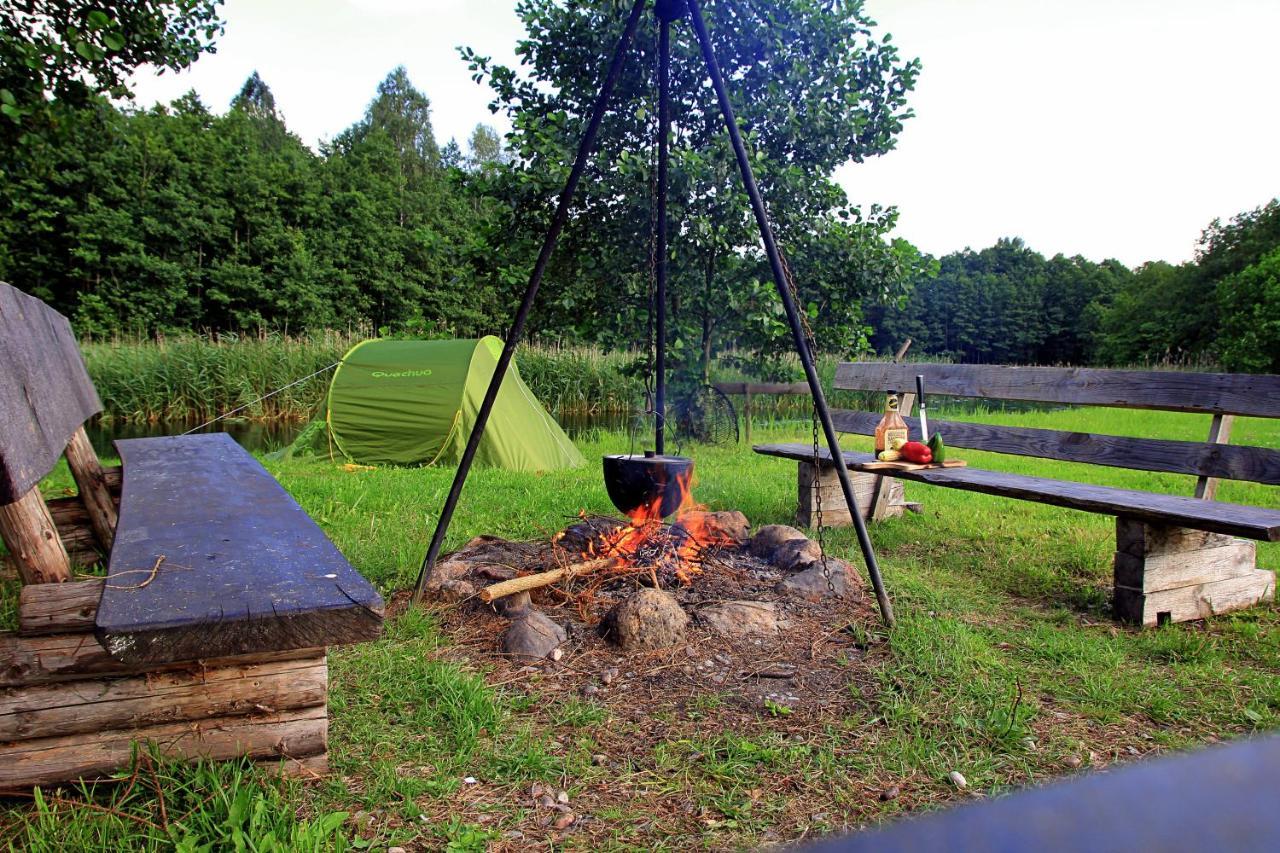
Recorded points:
(637, 481)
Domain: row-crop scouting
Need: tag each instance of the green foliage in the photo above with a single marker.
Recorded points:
(186, 808)
(1249, 305)
(1005, 304)
(813, 88)
(1008, 304)
(1221, 308)
(186, 379)
(176, 218)
(58, 56)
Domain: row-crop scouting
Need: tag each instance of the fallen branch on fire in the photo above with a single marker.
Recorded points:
(521, 584)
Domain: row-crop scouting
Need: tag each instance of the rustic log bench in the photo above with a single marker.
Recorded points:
(1177, 558)
(208, 634)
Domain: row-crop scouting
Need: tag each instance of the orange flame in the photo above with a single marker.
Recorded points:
(648, 543)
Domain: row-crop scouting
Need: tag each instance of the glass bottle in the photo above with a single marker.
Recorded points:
(891, 426)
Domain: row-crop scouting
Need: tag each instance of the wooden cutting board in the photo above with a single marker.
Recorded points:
(908, 466)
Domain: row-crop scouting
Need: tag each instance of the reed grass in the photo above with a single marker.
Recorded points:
(191, 379)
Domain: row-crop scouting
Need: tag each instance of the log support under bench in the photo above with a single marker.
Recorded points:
(1177, 574)
(875, 504)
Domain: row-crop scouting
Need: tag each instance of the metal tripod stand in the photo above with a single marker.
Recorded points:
(667, 12)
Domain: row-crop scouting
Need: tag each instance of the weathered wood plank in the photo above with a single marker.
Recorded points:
(1231, 519)
(1254, 395)
(1185, 568)
(835, 512)
(68, 657)
(1205, 459)
(58, 608)
(152, 698)
(32, 539)
(45, 391)
(91, 482)
(311, 767)
(1141, 539)
(245, 569)
(1219, 433)
(1195, 602)
(299, 733)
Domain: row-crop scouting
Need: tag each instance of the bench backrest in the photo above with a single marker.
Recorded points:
(1219, 394)
(45, 391)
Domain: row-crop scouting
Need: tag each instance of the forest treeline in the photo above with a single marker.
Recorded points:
(182, 217)
(1009, 304)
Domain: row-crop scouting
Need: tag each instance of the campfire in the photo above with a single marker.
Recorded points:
(668, 552)
(645, 581)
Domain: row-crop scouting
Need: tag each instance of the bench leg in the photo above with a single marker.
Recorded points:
(30, 535)
(812, 482)
(1176, 574)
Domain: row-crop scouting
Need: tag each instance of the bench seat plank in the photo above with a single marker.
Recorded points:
(245, 569)
(1231, 519)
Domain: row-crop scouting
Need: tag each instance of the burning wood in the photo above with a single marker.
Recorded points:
(675, 551)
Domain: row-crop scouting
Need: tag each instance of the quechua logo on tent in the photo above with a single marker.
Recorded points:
(399, 374)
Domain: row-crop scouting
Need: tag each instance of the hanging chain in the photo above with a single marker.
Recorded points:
(650, 405)
(817, 447)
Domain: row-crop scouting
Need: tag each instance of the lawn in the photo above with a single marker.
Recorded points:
(1005, 667)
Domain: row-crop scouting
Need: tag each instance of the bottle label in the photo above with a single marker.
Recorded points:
(891, 434)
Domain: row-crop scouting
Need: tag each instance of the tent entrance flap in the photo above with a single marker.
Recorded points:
(413, 403)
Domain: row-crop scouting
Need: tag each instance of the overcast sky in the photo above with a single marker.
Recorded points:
(1106, 128)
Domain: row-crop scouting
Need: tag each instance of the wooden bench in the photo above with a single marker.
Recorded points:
(208, 635)
(1177, 558)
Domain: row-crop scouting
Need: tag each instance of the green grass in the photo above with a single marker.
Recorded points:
(1005, 665)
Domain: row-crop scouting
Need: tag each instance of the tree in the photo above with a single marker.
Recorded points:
(1249, 303)
(60, 55)
(813, 89)
(487, 150)
(404, 114)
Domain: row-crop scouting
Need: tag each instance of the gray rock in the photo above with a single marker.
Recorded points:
(811, 584)
(449, 570)
(533, 635)
(455, 590)
(735, 618)
(511, 606)
(770, 537)
(727, 528)
(649, 619)
(957, 779)
(796, 554)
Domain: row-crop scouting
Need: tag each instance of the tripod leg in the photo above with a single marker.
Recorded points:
(522, 314)
(793, 317)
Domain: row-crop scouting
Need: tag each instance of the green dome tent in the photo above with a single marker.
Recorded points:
(414, 403)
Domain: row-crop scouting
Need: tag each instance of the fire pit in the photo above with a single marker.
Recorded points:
(644, 583)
